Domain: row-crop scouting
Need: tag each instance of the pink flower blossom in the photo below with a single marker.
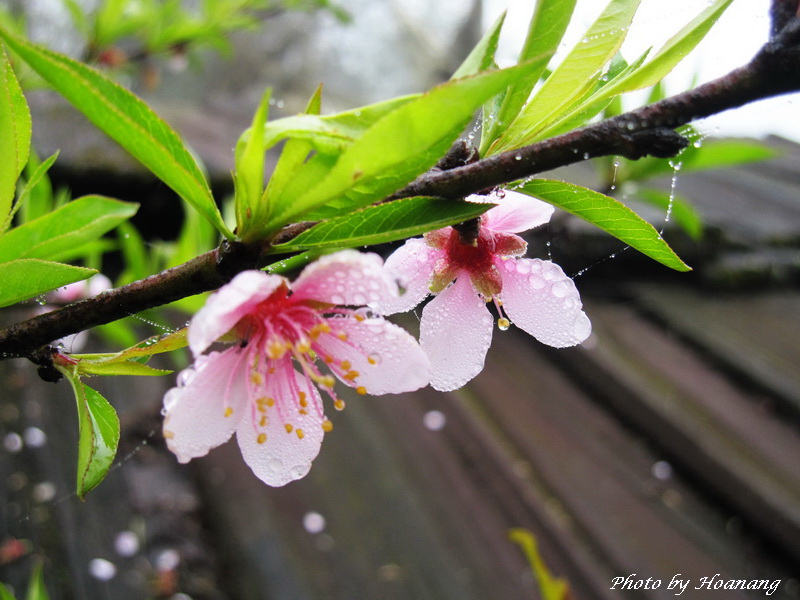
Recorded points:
(266, 387)
(456, 326)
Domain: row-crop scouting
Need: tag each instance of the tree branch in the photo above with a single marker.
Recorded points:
(773, 71)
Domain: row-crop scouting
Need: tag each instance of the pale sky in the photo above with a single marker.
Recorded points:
(732, 42)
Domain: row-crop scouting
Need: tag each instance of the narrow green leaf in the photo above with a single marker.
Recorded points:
(15, 134)
(386, 222)
(30, 277)
(249, 175)
(61, 231)
(122, 367)
(550, 587)
(608, 214)
(399, 147)
(331, 133)
(98, 434)
(681, 210)
(127, 120)
(482, 56)
(572, 78)
(156, 344)
(546, 29)
(37, 177)
(36, 589)
(673, 52)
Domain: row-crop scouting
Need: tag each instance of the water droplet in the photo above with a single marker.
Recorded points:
(12, 442)
(44, 491)
(518, 157)
(434, 420)
(337, 299)
(313, 522)
(102, 569)
(536, 282)
(503, 324)
(34, 437)
(168, 560)
(40, 300)
(586, 156)
(662, 470)
(126, 543)
(374, 358)
(560, 289)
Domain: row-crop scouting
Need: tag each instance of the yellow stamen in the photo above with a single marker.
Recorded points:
(346, 365)
(257, 378)
(300, 433)
(228, 411)
(338, 404)
(303, 346)
(327, 381)
(303, 411)
(351, 375)
(168, 434)
(360, 317)
(372, 361)
(328, 359)
(263, 422)
(262, 437)
(303, 399)
(342, 336)
(361, 390)
(327, 426)
(289, 427)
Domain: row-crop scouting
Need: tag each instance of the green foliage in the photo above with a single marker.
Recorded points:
(396, 149)
(63, 231)
(384, 223)
(36, 589)
(15, 136)
(98, 432)
(550, 587)
(30, 277)
(608, 214)
(127, 120)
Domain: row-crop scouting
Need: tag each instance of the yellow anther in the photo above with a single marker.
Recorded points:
(327, 381)
(300, 433)
(257, 378)
(263, 422)
(342, 336)
(360, 317)
(276, 349)
(346, 365)
(270, 402)
(328, 359)
(228, 411)
(271, 370)
(338, 404)
(503, 323)
(303, 411)
(372, 361)
(168, 434)
(361, 390)
(327, 426)
(303, 399)
(262, 437)
(351, 375)
(289, 427)
(303, 346)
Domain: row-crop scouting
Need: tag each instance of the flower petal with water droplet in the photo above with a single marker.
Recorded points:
(456, 332)
(547, 306)
(411, 266)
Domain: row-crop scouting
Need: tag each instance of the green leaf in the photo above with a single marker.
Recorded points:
(127, 120)
(681, 210)
(397, 148)
(98, 434)
(546, 29)
(249, 175)
(386, 222)
(482, 56)
(550, 587)
(608, 214)
(37, 177)
(671, 53)
(330, 134)
(61, 231)
(156, 344)
(36, 589)
(569, 82)
(122, 367)
(5, 593)
(30, 277)
(15, 135)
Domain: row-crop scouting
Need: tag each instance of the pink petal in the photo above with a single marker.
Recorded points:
(516, 212)
(283, 456)
(456, 332)
(347, 277)
(411, 266)
(195, 412)
(233, 301)
(541, 300)
(386, 357)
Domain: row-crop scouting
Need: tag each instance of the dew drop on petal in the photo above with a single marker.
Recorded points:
(337, 299)
(560, 289)
(536, 282)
